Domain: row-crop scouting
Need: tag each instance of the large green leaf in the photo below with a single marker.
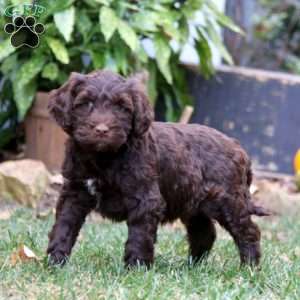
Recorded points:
(29, 70)
(24, 85)
(23, 96)
(104, 2)
(6, 49)
(145, 21)
(190, 7)
(170, 109)
(163, 54)
(156, 6)
(205, 54)
(108, 22)
(50, 71)
(215, 37)
(223, 19)
(97, 55)
(91, 3)
(142, 55)
(121, 59)
(83, 24)
(98, 59)
(152, 83)
(168, 21)
(59, 50)
(9, 64)
(128, 35)
(184, 31)
(64, 21)
(54, 6)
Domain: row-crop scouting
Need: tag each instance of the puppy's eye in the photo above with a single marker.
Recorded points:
(90, 105)
(123, 108)
(86, 105)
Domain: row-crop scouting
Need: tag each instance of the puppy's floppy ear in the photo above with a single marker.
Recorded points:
(143, 112)
(60, 101)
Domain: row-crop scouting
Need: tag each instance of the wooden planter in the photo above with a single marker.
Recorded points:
(45, 141)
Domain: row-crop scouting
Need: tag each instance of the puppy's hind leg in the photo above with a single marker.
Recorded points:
(201, 233)
(236, 219)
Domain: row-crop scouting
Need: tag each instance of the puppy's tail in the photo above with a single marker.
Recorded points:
(259, 211)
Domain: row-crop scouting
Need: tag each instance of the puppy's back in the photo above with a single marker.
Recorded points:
(189, 154)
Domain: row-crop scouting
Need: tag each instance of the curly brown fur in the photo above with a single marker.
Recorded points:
(128, 168)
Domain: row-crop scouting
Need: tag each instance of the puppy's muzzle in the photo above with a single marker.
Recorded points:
(102, 129)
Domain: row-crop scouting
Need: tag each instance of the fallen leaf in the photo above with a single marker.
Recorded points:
(23, 254)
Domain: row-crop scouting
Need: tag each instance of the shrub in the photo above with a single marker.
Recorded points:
(278, 35)
(91, 34)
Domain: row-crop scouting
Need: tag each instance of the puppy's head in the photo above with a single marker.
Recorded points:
(100, 110)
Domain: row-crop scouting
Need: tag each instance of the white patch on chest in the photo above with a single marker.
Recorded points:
(91, 186)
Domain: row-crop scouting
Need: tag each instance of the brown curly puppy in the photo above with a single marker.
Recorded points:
(128, 168)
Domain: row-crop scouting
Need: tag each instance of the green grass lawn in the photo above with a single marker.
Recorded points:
(96, 271)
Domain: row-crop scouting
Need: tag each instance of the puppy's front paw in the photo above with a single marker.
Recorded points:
(133, 262)
(57, 258)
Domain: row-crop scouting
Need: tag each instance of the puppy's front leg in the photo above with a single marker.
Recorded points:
(143, 219)
(73, 206)
(139, 248)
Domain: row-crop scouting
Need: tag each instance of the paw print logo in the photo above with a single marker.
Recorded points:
(24, 32)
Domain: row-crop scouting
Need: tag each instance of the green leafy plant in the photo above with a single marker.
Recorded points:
(277, 31)
(91, 34)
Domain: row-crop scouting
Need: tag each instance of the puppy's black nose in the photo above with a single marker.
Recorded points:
(102, 128)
